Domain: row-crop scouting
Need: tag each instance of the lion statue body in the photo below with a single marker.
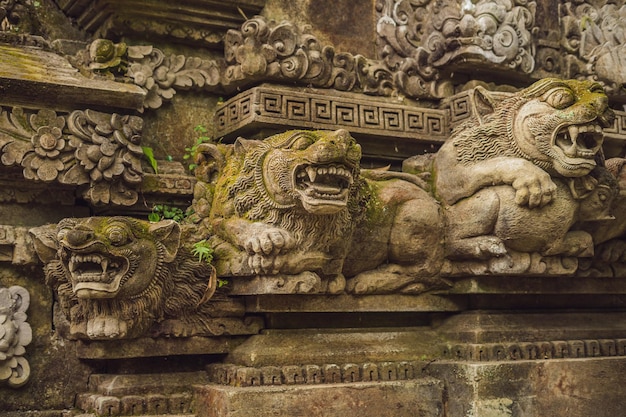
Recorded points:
(116, 276)
(506, 179)
(296, 202)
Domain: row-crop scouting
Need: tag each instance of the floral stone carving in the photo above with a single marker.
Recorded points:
(297, 203)
(525, 173)
(116, 277)
(15, 335)
(83, 147)
(261, 50)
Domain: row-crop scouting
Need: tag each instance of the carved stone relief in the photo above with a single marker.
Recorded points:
(116, 277)
(535, 178)
(594, 37)
(260, 51)
(425, 36)
(99, 150)
(297, 204)
(15, 335)
(527, 189)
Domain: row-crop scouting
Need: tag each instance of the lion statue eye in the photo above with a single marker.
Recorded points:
(117, 235)
(302, 143)
(560, 98)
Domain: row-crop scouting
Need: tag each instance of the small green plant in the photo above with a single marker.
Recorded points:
(149, 154)
(203, 251)
(165, 212)
(190, 151)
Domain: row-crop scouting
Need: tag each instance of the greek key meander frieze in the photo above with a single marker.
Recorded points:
(15, 335)
(286, 107)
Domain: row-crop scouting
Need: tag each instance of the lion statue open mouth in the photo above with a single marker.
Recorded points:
(323, 189)
(109, 260)
(117, 276)
(554, 127)
(94, 274)
(560, 127)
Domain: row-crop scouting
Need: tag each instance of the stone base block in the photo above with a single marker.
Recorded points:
(422, 397)
(565, 387)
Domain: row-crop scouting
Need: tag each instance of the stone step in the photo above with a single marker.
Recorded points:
(141, 395)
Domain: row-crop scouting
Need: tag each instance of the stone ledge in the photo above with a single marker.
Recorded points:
(423, 397)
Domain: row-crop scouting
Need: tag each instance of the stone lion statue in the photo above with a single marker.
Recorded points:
(298, 201)
(117, 276)
(509, 179)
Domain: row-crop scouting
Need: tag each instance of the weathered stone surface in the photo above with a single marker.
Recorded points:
(202, 23)
(158, 347)
(26, 71)
(423, 397)
(334, 347)
(573, 387)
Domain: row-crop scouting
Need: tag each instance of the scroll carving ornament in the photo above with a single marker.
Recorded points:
(594, 35)
(259, 51)
(80, 148)
(15, 335)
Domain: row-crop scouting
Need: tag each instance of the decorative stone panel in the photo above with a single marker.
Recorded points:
(15, 335)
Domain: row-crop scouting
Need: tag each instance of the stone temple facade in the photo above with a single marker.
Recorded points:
(312, 208)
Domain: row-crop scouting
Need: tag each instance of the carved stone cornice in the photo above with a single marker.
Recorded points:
(265, 51)
(15, 335)
(405, 125)
(201, 22)
(99, 150)
(33, 75)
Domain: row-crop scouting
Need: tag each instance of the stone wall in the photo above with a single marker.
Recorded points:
(325, 208)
